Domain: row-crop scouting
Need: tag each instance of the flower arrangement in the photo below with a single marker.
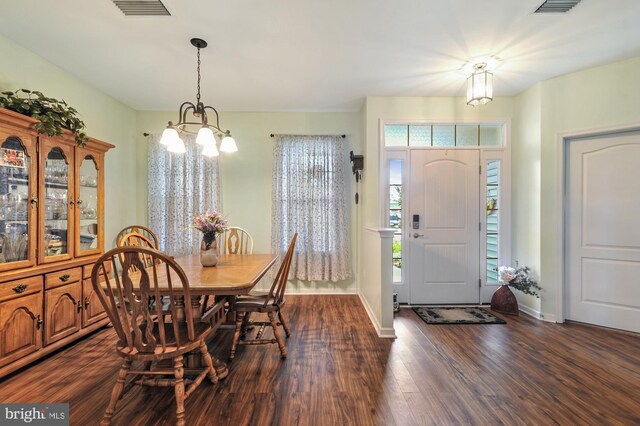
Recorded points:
(520, 279)
(210, 224)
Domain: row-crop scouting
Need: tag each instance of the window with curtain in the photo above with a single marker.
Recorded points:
(309, 198)
(180, 186)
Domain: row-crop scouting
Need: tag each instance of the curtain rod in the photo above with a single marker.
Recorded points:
(272, 135)
(342, 136)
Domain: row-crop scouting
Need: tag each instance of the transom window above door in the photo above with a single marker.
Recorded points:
(443, 135)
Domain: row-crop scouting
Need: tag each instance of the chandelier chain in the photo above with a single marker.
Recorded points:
(198, 95)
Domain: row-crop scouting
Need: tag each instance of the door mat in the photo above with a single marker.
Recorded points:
(455, 315)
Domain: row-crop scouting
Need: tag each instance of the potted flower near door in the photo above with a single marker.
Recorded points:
(503, 300)
(210, 224)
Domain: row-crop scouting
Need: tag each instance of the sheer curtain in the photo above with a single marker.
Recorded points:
(180, 186)
(309, 198)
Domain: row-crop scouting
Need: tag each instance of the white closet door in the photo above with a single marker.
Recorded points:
(603, 231)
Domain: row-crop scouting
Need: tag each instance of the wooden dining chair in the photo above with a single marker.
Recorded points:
(235, 241)
(134, 239)
(139, 236)
(270, 303)
(149, 236)
(232, 241)
(143, 334)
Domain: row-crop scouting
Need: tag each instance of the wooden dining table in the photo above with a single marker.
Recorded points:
(235, 274)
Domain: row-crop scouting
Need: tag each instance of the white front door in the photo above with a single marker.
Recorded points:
(603, 231)
(445, 249)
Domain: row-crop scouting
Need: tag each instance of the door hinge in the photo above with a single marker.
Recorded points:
(479, 226)
(480, 169)
(479, 282)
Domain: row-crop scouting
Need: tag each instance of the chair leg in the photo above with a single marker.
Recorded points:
(245, 324)
(116, 393)
(146, 367)
(236, 336)
(206, 356)
(178, 372)
(284, 324)
(276, 333)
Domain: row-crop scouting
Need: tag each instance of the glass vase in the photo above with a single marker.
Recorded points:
(209, 256)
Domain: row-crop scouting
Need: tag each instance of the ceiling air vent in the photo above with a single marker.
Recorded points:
(557, 6)
(142, 7)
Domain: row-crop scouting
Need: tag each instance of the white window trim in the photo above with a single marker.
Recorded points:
(504, 225)
(486, 153)
(398, 287)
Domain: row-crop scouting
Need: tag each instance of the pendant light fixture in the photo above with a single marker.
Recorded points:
(479, 85)
(193, 119)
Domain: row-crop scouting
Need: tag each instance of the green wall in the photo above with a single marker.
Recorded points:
(246, 176)
(525, 186)
(106, 119)
(601, 97)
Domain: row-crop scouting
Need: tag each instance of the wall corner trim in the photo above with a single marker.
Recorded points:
(549, 317)
(527, 310)
(383, 232)
(537, 314)
(387, 333)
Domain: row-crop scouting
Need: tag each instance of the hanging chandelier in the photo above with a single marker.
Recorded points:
(193, 120)
(479, 85)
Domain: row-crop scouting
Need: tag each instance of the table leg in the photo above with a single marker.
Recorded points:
(231, 313)
(194, 359)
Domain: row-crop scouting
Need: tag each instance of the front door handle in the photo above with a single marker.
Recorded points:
(416, 235)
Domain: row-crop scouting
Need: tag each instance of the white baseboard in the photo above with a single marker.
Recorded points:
(529, 311)
(310, 291)
(537, 314)
(321, 292)
(548, 317)
(387, 333)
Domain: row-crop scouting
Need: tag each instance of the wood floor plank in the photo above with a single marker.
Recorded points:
(338, 372)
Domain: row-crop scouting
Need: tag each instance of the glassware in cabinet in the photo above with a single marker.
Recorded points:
(57, 201)
(18, 201)
(89, 208)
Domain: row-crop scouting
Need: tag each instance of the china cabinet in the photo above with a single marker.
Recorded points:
(51, 233)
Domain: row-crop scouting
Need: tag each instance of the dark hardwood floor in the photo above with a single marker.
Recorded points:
(339, 372)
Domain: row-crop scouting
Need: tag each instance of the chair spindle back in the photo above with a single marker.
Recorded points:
(134, 239)
(280, 281)
(127, 293)
(138, 229)
(236, 241)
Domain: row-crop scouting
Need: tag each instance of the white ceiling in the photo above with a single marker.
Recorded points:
(306, 55)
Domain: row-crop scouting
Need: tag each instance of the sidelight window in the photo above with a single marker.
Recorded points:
(395, 216)
(493, 222)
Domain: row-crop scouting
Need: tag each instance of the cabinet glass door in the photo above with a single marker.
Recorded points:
(88, 205)
(17, 210)
(56, 204)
